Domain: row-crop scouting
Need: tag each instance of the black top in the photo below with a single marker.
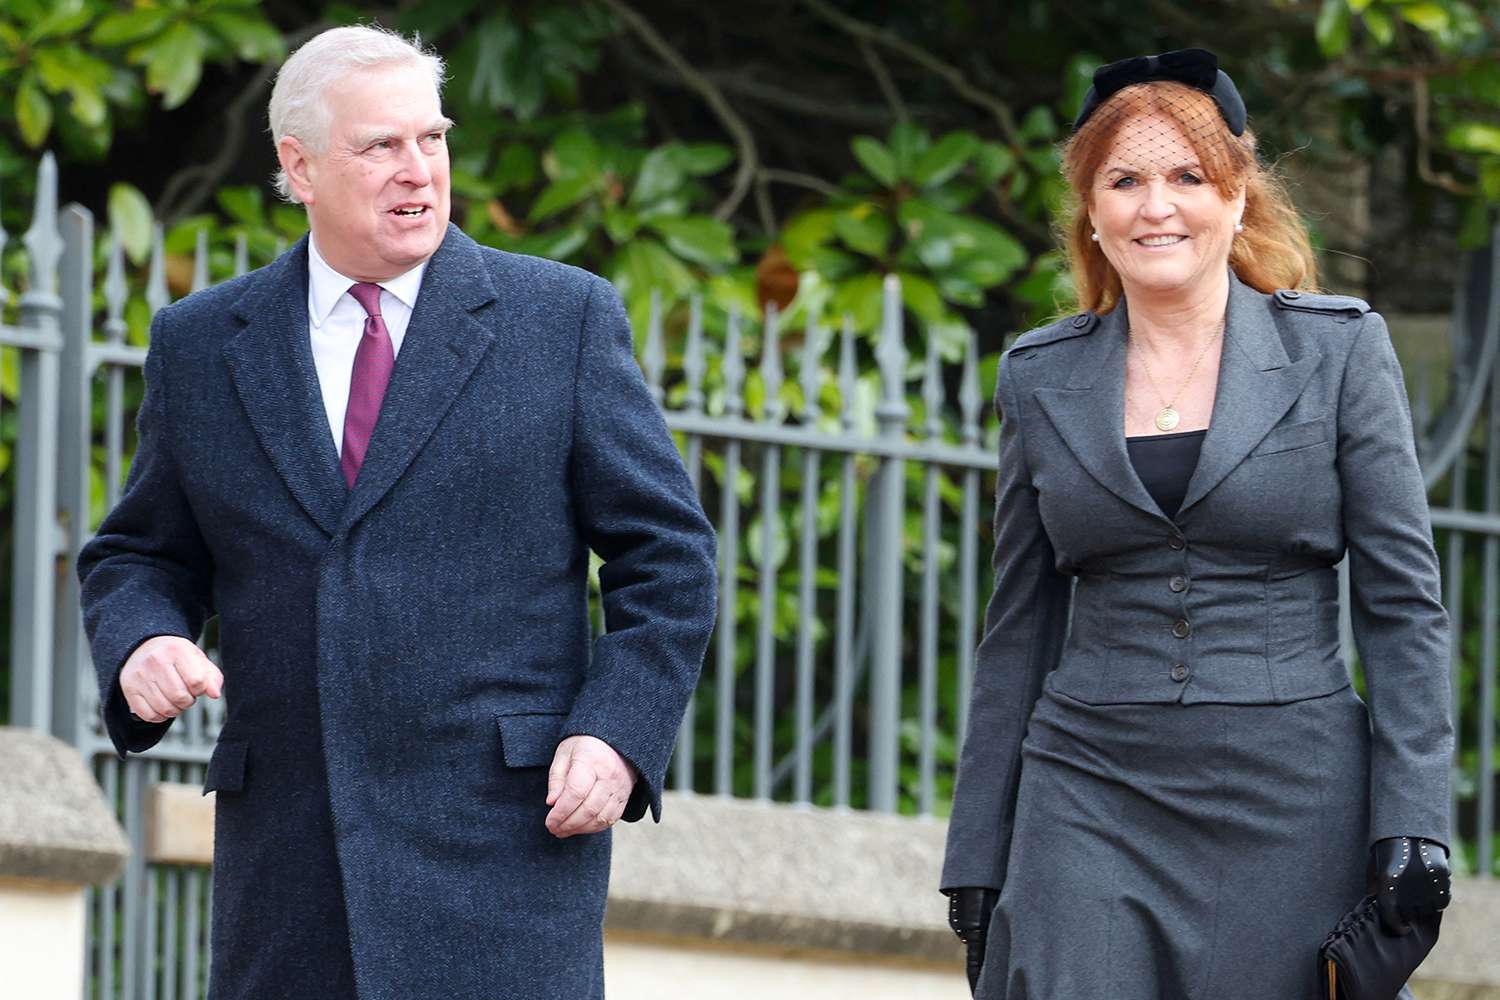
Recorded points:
(1165, 463)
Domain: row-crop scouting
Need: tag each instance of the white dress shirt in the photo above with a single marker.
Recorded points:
(336, 322)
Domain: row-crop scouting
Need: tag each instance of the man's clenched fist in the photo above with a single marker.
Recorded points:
(587, 787)
(165, 675)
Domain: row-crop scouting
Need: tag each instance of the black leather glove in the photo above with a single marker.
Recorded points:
(969, 910)
(1410, 880)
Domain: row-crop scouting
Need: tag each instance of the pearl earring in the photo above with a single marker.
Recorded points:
(1094, 237)
(1239, 227)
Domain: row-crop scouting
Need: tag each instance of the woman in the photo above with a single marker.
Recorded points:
(1198, 790)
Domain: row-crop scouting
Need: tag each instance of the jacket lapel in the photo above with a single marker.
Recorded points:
(444, 343)
(1258, 383)
(1089, 413)
(270, 363)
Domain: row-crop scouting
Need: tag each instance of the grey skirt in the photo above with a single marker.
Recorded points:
(1190, 852)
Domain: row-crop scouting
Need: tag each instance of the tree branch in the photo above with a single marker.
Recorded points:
(200, 180)
(1425, 170)
(796, 179)
(883, 77)
(952, 74)
(711, 94)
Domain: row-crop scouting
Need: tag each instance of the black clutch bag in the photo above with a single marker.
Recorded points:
(1360, 961)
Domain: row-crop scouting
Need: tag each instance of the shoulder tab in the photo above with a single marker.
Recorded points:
(1068, 326)
(1340, 305)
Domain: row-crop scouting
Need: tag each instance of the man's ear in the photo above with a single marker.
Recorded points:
(298, 166)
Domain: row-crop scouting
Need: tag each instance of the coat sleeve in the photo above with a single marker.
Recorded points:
(147, 572)
(1024, 628)
(1400, 625)
(639, 513)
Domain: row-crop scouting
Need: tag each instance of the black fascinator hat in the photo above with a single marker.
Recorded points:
(1197, 68)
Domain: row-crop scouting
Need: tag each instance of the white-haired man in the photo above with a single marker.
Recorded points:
(382, 462)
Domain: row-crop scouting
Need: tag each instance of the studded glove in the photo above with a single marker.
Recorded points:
(969, 910)
(1409, 878)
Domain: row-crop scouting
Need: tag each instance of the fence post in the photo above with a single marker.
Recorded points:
(36, 534)
(75, 436)
(887, 514)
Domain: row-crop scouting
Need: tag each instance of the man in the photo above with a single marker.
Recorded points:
(382, 462)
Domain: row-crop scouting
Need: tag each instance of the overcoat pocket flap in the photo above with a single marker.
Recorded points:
(226, 769)
(530, 740)
(1293, 436)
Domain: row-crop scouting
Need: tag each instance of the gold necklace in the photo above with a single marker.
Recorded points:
(1168, 417)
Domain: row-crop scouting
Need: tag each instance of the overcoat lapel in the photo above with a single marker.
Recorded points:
(270, 362)
(1089, 413)
(444, 343)
(1258, 383)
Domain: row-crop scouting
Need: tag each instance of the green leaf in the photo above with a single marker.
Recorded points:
(907, 143)
(242, 204)
(1359, 6)
(806, 232)
(922, 298)
(1428, 16)
(517, 168)
(620, 224)
(130, 220)
(1474, 137)
(1039, 124)
(65, 17)
(873, 155)
(703, 158)
(859, 298)
(253, 37)
(946, 158)
(1078, 77)
(560, 196)
(661, 175)
(574, 154)
(864, 227)
(122, 29)
(698, 238)
(1380, 26)
(33, 111)
(1332, 28)
(174, 63)
(993, 161)
(644, 264)
(88, 105)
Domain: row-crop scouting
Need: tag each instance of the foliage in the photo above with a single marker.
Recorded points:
(803, 154)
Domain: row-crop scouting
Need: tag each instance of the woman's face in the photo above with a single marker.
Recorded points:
(1162, 224)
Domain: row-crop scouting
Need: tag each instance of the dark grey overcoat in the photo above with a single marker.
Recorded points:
(1161, 716)
(402, 659)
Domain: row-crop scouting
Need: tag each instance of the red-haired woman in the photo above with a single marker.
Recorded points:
(1169, 787)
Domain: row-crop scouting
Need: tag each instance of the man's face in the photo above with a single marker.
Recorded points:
(377, 197)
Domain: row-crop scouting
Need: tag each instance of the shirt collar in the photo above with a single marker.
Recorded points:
(325, 286)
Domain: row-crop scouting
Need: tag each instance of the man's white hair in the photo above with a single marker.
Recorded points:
(298, 101)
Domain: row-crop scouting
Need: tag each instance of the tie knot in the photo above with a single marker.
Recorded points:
(367, 295)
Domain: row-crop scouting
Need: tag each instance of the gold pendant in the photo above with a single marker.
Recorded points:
(1167, 419)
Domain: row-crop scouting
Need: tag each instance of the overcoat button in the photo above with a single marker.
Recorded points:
(1182, 629)
(1081, 321)
(1291, 294)
(1177, 542)
(1180, 672)
(1178, 584)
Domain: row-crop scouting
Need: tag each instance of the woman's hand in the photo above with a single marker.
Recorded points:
(1409, 879)
(969, 910)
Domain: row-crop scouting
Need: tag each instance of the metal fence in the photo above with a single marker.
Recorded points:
(853, 521)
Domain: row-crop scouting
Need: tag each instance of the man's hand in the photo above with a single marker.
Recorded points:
(587, 787)
(164, 677)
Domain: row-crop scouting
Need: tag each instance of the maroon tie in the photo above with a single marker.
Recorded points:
(373, 361)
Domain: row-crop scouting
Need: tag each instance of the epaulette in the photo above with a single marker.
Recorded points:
(1345, 306)
(1063, 329)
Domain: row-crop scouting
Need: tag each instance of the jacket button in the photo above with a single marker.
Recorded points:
(1178, 584)
(1180, 672)
(1177, 542)
(1182, 629)
(1081, 321)
(1291, 293)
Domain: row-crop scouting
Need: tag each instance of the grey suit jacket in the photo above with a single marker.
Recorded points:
(1234, 599)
